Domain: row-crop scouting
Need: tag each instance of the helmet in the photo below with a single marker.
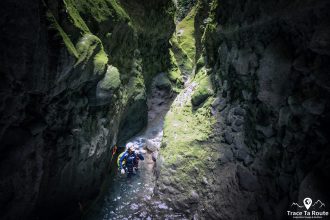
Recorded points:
(129, 145)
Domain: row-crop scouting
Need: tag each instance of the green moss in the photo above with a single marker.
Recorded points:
(86, 47)
(100, 61)
(76, 19)
(183, 62)
(111, 80)
(98, 10)
(204, 89)
(68, 43)
(174, 73)
(185, 31)
(135, 89)
(184, 132)
(183, 7)
(119, 10)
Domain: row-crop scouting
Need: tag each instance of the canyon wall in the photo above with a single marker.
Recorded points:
(269, 144)
(74, 78)
(246, 137)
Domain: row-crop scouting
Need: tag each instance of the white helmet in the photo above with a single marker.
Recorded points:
(129, 145)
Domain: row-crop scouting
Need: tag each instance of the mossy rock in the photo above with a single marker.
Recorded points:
(200, 96)
(184, 130)
(203, 91)
(185, 34)
(200, 63)
(111, 80)
(162, 82)
(174, 73)
(86, 48)
(100, 61)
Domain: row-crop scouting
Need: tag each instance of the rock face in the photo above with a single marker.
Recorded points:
(268, 62)
(247, 135)
(271, 68)
(73, 84)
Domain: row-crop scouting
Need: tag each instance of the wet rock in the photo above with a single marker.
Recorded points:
(247, 180)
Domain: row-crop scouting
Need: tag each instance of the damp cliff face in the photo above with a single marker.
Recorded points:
(73, 84)
(272, 62)
(245, 136)
(254, 120)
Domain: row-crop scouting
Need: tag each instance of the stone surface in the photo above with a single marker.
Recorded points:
(265, 66)
(61, 112)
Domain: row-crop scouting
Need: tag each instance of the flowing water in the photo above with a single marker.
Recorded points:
(133, 198)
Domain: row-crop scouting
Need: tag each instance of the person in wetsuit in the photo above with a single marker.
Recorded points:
(130, 157)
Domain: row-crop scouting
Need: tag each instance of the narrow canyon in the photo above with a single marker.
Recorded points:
(227, 100)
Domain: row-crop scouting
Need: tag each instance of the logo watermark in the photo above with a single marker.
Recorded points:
(308, 210)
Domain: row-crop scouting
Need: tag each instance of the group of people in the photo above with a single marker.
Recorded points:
(128, 161)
